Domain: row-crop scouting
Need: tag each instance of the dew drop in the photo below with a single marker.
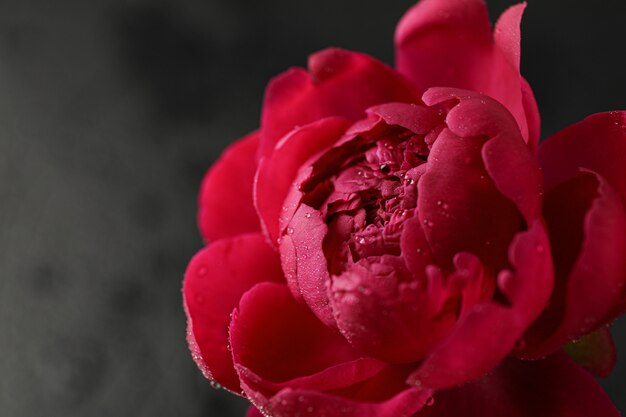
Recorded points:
(308, 215)
(290, 230)
(202, 271)
(430, 401)
(215, 385)
(384, 168)
(309, 409)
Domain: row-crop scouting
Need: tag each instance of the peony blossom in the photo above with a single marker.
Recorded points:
(395, 242)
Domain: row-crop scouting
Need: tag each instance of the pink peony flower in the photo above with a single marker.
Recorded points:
(396, 243)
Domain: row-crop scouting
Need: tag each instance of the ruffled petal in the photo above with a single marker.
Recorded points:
(338, 83)
(553, 387)
(489, 331)
(449, 43)
(214, 282)
(225, 200)
(471, 199)
(278, 170)
(587, 226)
(384, 395)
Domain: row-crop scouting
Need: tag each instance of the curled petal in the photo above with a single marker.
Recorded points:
(489, 331)
(587, 225)
(277, 171)
(220, 215)
(553, 387)
(449, 43)
(384, 395)
(278, 344)
(597, 143)
(338, 83)
(214, 282)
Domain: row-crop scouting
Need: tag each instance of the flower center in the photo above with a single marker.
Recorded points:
(366, 189)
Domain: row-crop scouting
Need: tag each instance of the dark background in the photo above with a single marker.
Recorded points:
(110, 112)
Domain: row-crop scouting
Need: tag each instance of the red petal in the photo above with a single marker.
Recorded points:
(553, 387)
(597, 143)
(253, 412)
(295, 403)
(339, 83)
(214, 282)
(225, 201)
(304, 262)
(467, 198)
(595, 352)
(278, 170)
(449, 43)
(384, 395)
(395, 321)
(587, 225)
(280, 341)
(488, 332)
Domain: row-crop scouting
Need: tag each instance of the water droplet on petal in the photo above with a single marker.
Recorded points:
(202, 271)
(308, 215)
(215, 385)
(290, 230)
(430, 401)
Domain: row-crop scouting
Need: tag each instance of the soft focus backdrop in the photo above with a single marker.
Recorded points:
(110, 112)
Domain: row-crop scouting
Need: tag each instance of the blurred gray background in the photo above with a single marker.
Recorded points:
(110, 112)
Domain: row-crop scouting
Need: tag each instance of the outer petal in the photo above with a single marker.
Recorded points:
(277, 342)
(338, 83)
(253, 412)
(587, 225)
(449, 43)
(214, 282)
(554, 387)
(278, 170)
(225, 200)
(597, 143)
(381, 396)
(489, 331)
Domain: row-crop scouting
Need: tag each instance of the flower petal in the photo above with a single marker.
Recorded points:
(220, 215)
(214, 281)
(597, 143)
(587, 225)
(384, 395)
(338, 83)
(449, 43)
(553, 387)
(278, 170)
(469, 199)
(489, 331)
(279, 340)
(253, 412)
